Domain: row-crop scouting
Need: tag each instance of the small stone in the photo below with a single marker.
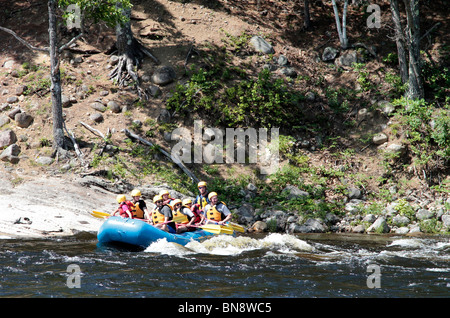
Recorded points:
(12, 99)
(379, 139)
(23, 120)
(97, 117)
(98, 106)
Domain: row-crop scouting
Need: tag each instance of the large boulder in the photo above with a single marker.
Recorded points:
(7, 137)
(261, 45)
(164, 75)
(379, 226)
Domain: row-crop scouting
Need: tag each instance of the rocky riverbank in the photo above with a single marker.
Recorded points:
(410, 214)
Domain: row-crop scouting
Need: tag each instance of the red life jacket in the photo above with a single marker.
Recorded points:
(124, 207)
(196, 211)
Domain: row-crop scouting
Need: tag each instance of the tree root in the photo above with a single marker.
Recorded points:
(128, 63)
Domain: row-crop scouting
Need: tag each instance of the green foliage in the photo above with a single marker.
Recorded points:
(427, 131)
(363, 76)
(109, 11)
(229, 96)
(405, 209)
(398, 88)
(437, 80)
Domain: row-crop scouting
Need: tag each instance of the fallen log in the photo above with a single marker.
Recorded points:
(177, 162)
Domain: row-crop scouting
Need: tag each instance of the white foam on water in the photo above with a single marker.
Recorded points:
(162, 246)
(229, 245)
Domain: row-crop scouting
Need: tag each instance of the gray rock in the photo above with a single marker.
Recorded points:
(415, 229)
(370, 218)
(98, 106)
(113, 106)
(423, 214)
(288, 71)
(251, 187)
(359, 229)
(20, 89)
(354, 193)
(45, 161)
(23, 120)
(261, 45)
(164, 75)
(164, 117)
(379, 226)
(154, 91)
(329, 54)
(97, 117)
(386, 107)
(396, 149)
(282, 60)
(12, 114)
(9, 64)
(331, 218)
(354, 206)
(113, 60)
(294, 192)
(245, 214)
(402, 230)
(4, 120)
(310, 226)
(7, 137)
(400, 220)
(65, 101)
(446, 220)
(347, 58)
(379, 139)
(10, 154)
(12, 99)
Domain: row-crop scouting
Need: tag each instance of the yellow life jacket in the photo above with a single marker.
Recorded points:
(214, 215)
(137, 211)
(202, 201)
(178, 213)
(157, 216)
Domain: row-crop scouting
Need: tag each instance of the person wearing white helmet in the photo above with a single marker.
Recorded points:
(216, 212)
(141, 210)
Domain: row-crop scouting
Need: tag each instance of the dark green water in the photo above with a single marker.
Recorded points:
(271, 265)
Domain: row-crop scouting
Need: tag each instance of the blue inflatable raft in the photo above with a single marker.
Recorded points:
(138, 233)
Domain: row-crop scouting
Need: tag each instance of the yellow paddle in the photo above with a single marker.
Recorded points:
(100, 215)
(236, 227)
(216, 229)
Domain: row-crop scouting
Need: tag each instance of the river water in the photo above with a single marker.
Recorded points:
(247, 266)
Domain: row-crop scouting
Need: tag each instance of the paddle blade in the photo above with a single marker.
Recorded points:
(98, 215)
(217, 229)
(101, 213)
(236, 227)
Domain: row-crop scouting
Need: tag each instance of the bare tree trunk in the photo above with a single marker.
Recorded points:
(307, 21)
(55, 89)
(400, 41)
(342, 31)
(415, 84)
